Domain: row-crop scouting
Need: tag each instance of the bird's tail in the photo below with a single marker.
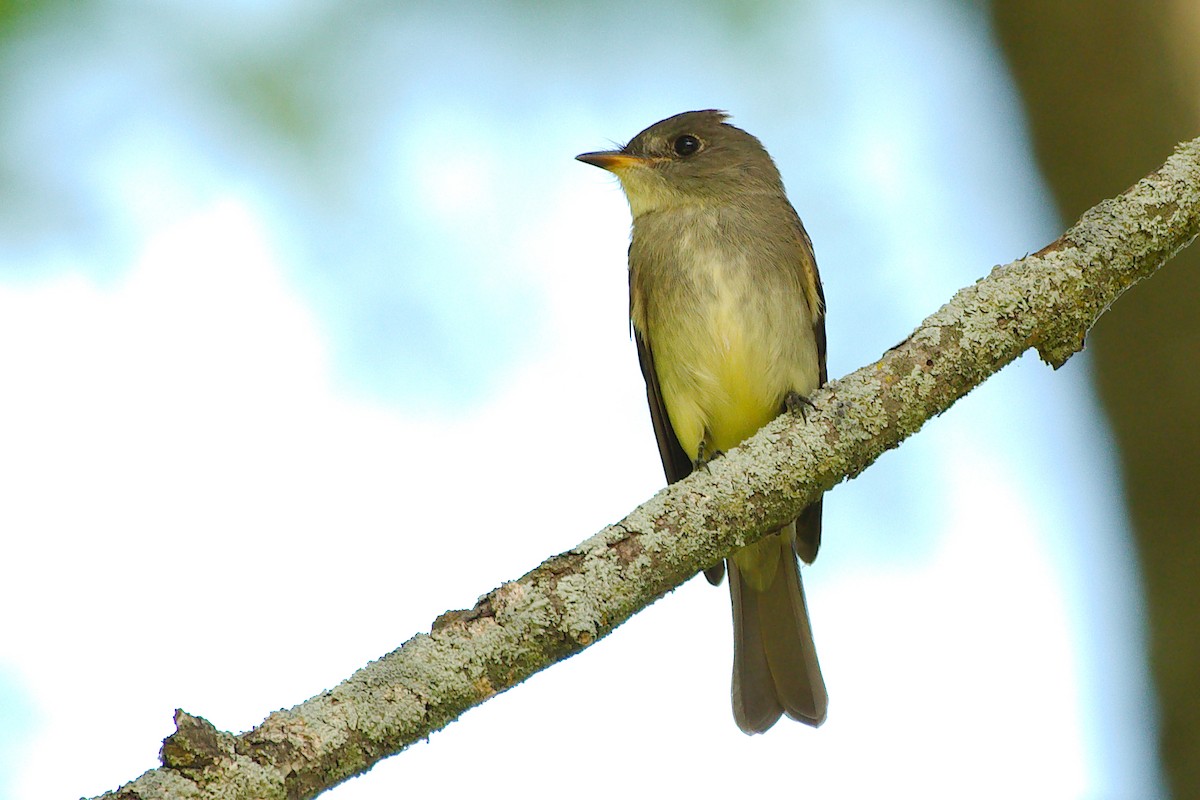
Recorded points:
(775, 669)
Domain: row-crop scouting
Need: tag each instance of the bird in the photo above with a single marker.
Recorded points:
(728, 314)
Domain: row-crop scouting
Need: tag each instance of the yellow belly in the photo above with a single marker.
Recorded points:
(738, 401)
(726, 364)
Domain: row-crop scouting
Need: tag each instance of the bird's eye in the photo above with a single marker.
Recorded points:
(686, 145)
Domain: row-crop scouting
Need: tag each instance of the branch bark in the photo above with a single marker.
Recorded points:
(1048, 301)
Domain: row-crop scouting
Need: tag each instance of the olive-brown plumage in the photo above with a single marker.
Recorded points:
(729, 319)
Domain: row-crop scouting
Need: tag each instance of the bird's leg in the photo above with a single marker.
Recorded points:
(794, 400)
(704, 456)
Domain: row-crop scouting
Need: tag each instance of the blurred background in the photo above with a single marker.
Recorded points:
(311, 329)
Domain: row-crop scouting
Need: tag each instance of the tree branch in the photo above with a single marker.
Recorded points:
(1048, 300)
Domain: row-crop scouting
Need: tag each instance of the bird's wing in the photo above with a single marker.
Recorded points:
(808, 525)
(814, 293)
(676, 463)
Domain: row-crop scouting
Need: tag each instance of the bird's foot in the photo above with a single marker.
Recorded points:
(795, 400)
(704, 456)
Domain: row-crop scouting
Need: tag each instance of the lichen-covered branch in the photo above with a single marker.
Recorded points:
(1047, 301)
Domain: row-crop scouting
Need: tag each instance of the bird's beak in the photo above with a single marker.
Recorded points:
(612, 160)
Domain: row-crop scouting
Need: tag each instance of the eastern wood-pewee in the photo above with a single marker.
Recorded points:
(729, 319)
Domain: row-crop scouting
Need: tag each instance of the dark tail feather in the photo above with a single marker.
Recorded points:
(775, 669)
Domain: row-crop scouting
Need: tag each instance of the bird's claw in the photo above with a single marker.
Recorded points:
(704, 457)
(796, 401)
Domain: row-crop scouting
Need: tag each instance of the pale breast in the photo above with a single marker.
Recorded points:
(728, 325)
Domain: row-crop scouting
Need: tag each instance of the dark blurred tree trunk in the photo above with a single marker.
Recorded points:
(1109, 86)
